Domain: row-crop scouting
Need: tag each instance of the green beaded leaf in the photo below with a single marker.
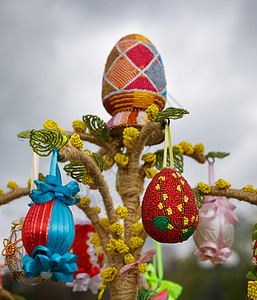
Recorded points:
(217, 154)
(41, 177)
(186, 235)
(254, 236)
(24, 134)
(75, 170)
(161, 222)
(199, 198)
(177, 159)
(44, 141)
(97, 127)
(98, 160)
(171, 113)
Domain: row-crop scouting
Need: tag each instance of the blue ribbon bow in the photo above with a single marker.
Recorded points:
(43, 260)
(53, 188)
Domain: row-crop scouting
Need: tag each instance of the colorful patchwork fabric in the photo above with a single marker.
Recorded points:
(134, 76)
(128, 118)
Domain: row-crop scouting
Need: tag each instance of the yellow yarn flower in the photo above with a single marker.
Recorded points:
(150, 173)
(188, 149)
(96, 209)
(76, 141)
(152, 112)
(108, 162)
(50, 125)
(149, 158)
(222, 184)
(108, 275)
(142, 267)
(95, 240)
(29, 183)
(180, 148)
(1, 192)
(252, 290)
(104, 222)
(117, 228)
(249, 188)
(79, 126)
(84, 202)
(121, 247)
(204, 187)
(111, 246)
(199, 148)
(87, 179)
(122, 212)
(121, 159)
(129, 259)
(137, 228)
(12, 185)
(136, 242)
(130, 135)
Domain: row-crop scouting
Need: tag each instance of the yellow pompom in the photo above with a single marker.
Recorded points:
(130, 135)
(84, 202)
(121, 247)
(76, 141)
(1, 192)
(87, 179)
(199, 148)
(95, 240)
(79, 126)
(121, 159)
(204, 187)
(187, 148)
(129, 259)
(142, 267)
(111, 246)
(109, 273)
(150, 173)
(122, 212)
(29, 183)
(252, 290)
(117, 228)
(149, 158)
(222, 184)
(96, 209)
(108, 162)
(152, 112)
(137, 228)
(249, 188)
(136, 242)
(104, 222)
(50, 125)
(12, 185)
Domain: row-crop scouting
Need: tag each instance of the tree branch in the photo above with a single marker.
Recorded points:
(15, 194)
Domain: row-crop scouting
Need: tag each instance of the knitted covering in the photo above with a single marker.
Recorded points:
(133, 80)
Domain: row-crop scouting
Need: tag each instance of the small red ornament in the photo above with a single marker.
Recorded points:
(169, 208)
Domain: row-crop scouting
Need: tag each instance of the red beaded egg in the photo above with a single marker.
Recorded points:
(169, 208)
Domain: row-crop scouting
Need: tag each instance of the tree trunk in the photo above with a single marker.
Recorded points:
(124, 288)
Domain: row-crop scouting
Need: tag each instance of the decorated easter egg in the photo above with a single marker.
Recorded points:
(90, 260)
(169, 208)
(133, 80)
(13, 252)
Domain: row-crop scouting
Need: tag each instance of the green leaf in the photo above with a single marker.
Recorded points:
(177, 159)
(44, 141)
(254, 236)
(171, 113)
(24, 134)
(75, 170)
(186, 235)
(97, 127)
(161, 222)
(217, 154)
(98, 160)
(199, 198)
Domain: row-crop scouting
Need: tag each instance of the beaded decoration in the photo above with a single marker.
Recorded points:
(133, 80)
(169, 208)
(13, 252)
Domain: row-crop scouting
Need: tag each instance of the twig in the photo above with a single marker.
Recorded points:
(14, 194)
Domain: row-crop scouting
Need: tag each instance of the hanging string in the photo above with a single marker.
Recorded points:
(165, 147)
(170, 147)
(34, 171)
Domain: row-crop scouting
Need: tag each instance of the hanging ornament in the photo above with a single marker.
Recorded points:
(90, 260)
(215, 233)
(133, 80)
(13, 252)
(48, 230)
(169, 207)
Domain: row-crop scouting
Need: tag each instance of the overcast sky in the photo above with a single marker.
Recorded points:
(52, 57)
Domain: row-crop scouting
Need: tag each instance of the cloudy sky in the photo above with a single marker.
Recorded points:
(52, 57)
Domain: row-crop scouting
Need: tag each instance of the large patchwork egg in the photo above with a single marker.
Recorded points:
(169, 208)
(133, 80)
